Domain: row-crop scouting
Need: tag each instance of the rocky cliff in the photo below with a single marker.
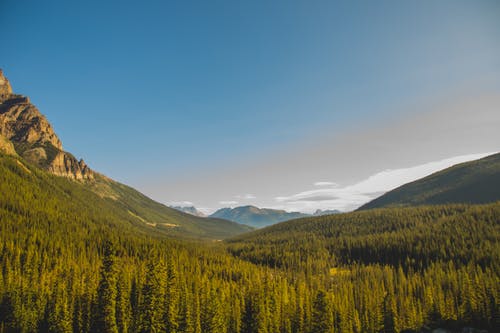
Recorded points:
(26, 132)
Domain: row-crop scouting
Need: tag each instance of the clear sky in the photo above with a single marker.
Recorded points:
(254, 102)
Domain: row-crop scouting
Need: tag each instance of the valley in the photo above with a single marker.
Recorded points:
(250, 167)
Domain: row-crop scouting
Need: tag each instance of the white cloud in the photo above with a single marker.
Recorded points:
(228, 203)
(352, 196)
(246, 196)
(326, 184)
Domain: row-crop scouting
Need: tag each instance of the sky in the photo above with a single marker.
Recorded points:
(297, 105)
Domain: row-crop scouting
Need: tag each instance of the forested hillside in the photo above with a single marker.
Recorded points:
(470, 182)
(73, 261)
(31, 192)
(26, 134)
(391, 269)
(80, 265)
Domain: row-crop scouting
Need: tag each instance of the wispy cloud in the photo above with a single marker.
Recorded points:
(352, 196)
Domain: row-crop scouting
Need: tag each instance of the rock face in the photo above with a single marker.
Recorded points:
(66, 165)
(21, 122)
(5, 88)
(6, 146)
(31, 135)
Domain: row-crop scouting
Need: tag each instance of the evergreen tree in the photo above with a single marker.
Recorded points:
(171, 316)
(152, 309)
(250, 317)
(105, 321)
(322, 319)
(122, 305)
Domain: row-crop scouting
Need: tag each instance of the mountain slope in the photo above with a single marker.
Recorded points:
(470, 182)
(254, 216)
(28, 137)
(29, 190)
(413, 237)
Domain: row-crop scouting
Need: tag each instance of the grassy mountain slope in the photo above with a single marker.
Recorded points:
(254, 216)
(28, 190)
(470, 182)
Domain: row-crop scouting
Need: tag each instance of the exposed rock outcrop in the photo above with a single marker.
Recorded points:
(5, 88)
(36, 155)
(22, 123)
(65, 164)
(31, 135)
(6, 146)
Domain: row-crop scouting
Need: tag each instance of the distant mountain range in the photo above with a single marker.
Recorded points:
(262, 217)
(254, 216)
(472, 182)
(320, 212)
(189, 210)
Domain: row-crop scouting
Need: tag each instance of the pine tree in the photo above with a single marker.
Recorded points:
(390, 314)
(59, 316)
(171, 316)
(122, 305)
(322, 320)
(152, 309)
(249, 320)
(105, 321)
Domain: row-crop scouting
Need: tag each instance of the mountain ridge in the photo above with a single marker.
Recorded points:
(33, 137)
(255, 216)
(473, 182)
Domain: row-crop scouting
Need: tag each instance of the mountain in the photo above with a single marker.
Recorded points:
(262, 217)
(470, 182)
(254, 216)
(34, 153)
(189, 210)
(320, 212)
(32, 136)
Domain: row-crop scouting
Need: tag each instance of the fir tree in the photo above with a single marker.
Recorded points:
(105, 321)
(322, 320)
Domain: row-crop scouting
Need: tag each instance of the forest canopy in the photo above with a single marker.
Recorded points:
(68, 267)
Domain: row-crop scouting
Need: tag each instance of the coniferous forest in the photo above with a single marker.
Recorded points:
(250, 166)
(68, 264)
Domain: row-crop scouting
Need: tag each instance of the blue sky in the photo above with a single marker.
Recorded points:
(173, 92)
